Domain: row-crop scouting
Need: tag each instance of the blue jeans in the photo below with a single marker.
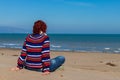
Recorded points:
(55, 64)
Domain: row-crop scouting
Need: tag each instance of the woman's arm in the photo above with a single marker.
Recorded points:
(21, 59)
(46, 55)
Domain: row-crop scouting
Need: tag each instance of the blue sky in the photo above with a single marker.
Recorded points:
(61, 16)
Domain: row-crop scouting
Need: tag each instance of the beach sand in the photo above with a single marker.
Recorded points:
(78, 66)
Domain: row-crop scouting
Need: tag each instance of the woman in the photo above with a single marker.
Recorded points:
(35, 54)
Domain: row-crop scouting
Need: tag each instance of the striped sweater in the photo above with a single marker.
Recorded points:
(35, 52)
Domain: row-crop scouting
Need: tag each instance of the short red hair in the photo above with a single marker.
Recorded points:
(39, 26)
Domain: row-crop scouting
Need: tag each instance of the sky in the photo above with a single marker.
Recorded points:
(61, 16)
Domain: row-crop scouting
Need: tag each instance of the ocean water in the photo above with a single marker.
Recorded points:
(70, 42)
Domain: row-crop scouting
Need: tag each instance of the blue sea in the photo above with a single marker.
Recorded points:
(69, 42)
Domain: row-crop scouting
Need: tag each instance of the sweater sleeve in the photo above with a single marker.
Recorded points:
(46, 55)
(21, 59)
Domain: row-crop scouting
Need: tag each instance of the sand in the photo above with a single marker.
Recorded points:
(78, 66)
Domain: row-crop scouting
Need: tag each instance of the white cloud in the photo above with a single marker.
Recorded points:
(76, 3)
(80, 4)
(58, 0)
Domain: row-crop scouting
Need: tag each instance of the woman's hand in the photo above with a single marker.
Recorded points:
(46, 73)
(15, 69)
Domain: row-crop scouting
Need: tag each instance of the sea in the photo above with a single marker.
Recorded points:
(107, 43)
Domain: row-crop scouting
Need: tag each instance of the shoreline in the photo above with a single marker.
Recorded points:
(68, 51)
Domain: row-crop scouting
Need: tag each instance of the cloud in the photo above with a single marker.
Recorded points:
(80, 4)
(58, 0)
(75, 3)
(6, 29)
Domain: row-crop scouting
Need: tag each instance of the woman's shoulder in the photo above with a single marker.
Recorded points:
(37, 36)
(27, 36)
(46, 35)
(43, 34)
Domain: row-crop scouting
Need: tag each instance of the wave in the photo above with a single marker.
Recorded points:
(10, 44)
(55, 47)
(2, 46)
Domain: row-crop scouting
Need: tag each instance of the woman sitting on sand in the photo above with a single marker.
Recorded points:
(35, 54)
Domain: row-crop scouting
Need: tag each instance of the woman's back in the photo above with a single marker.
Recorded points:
(36, 51)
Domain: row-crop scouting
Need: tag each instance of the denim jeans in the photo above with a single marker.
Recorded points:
(55, 64)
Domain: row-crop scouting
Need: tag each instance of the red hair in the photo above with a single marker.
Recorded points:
(39, 26)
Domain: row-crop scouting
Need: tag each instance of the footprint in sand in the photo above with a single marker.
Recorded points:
(14, 55)
(111, 64)
(2, 54)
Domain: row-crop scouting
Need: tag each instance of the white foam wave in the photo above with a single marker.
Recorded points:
(9, 44)
(107, 48)
(2, 46)
(55, 46)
